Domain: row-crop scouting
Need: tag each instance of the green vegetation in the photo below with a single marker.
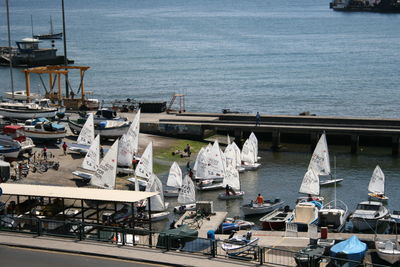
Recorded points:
(165, 154)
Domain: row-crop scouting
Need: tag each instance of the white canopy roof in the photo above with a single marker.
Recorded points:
(75, 193)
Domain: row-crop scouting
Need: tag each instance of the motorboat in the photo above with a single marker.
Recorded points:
(258, 209)
(106, 129)
(234, 224)
(24, 111)
(333, 216)
(234, 195)
(9, 148)
(276, 220)
(350, 252)
(388, 250)
(105, 114)
(239, 244)
(44, 131)
(17, 133)
(368, 214)
(305, 214)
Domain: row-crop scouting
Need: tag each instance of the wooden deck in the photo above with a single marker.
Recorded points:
(202, 225)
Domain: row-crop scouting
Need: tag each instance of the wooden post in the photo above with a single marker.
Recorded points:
(82, 85)
(150, 226)
(355, 143)
(276, 139)
(28, 84)
(395, 145)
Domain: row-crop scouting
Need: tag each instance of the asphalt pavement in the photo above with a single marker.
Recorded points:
(22, 257)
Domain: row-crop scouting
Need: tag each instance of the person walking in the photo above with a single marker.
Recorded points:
(258, 119)
(64, 147)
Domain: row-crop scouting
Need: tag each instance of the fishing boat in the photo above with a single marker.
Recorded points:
(24, 111)
(320, 163)
(239, 244)
(368, 215)
(333, 216)
(51, 35)
(9, 148)
(187, 196)
(45, 131)
(128, 146)
(85, 138)
(17, 133)
(376, 185)
(174, 181)
(258, 209)
(388, 250)
(249, 154)
(107, 129)
(90, 162)
(276, 220)
(21, 95)
(352, 249)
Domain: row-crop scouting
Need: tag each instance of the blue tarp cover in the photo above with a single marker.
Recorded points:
(352, 247)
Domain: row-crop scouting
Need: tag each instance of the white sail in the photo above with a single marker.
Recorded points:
(175, 176)
(86, 136)
(215, 165)
(230, 156)
(187, 193)
(248, 152)
(92, 158)
(310, 184)
(231, 177)
(145, 167)
(105, 174)
(320, 158)
(157, 201)
(237, 154)
(128, 144)
(198, 159)
(253, 139)
(228, 140)
(377, 182)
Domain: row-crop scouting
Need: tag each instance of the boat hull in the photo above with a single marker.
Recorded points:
(276, 220)
(390, 253)
(251, 167)
(112, 132)
(25, 115)
(171, 193)
(233, 249)
(224, 196)
(45, 136)
(256, 209)
(183, 208)
(330, 182)
(363, 224)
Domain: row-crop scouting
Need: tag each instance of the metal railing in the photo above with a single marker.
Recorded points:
(121, 236)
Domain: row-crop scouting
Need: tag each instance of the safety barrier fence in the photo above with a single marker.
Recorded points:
(121, 236)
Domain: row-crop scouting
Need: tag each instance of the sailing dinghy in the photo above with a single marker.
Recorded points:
(91, 160)
(85, 138)
(249, 155)
(128, 146)
(144, 169)
(376, 185)
(187, 196)
(106, 172)
(174, 181)
(231, 180)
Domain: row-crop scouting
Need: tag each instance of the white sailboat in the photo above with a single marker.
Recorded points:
(174, 180)
(249, 155)
(91, 160)
(320, 162)
(232, 180)
(128, 146)
(212, 170)
(376, 185)
(187, 196)
(306, 213)
(144, 169)
(232, 153)
(85, 138)
(106, 172)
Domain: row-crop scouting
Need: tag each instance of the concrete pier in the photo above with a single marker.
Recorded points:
(203, 225)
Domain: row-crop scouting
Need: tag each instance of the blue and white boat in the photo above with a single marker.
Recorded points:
(9, 147)
(352, 249)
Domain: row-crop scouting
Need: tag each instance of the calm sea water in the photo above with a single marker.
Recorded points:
(276, 57)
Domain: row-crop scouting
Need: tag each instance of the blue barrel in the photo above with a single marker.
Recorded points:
(211, 234)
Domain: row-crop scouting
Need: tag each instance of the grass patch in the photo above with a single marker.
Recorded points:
(165, 154)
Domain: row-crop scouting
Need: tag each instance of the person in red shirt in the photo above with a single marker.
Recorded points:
(45, 153)
(259, 199)
(64, 147)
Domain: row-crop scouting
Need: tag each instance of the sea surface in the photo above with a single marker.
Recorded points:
(275, 57)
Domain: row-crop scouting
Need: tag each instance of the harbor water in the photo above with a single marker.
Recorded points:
(275, 57)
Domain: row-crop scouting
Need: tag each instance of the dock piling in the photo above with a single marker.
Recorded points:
(395, 145)
(276, 140)
(355, 143)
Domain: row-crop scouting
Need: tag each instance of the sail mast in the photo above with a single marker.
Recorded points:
(10, 49)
